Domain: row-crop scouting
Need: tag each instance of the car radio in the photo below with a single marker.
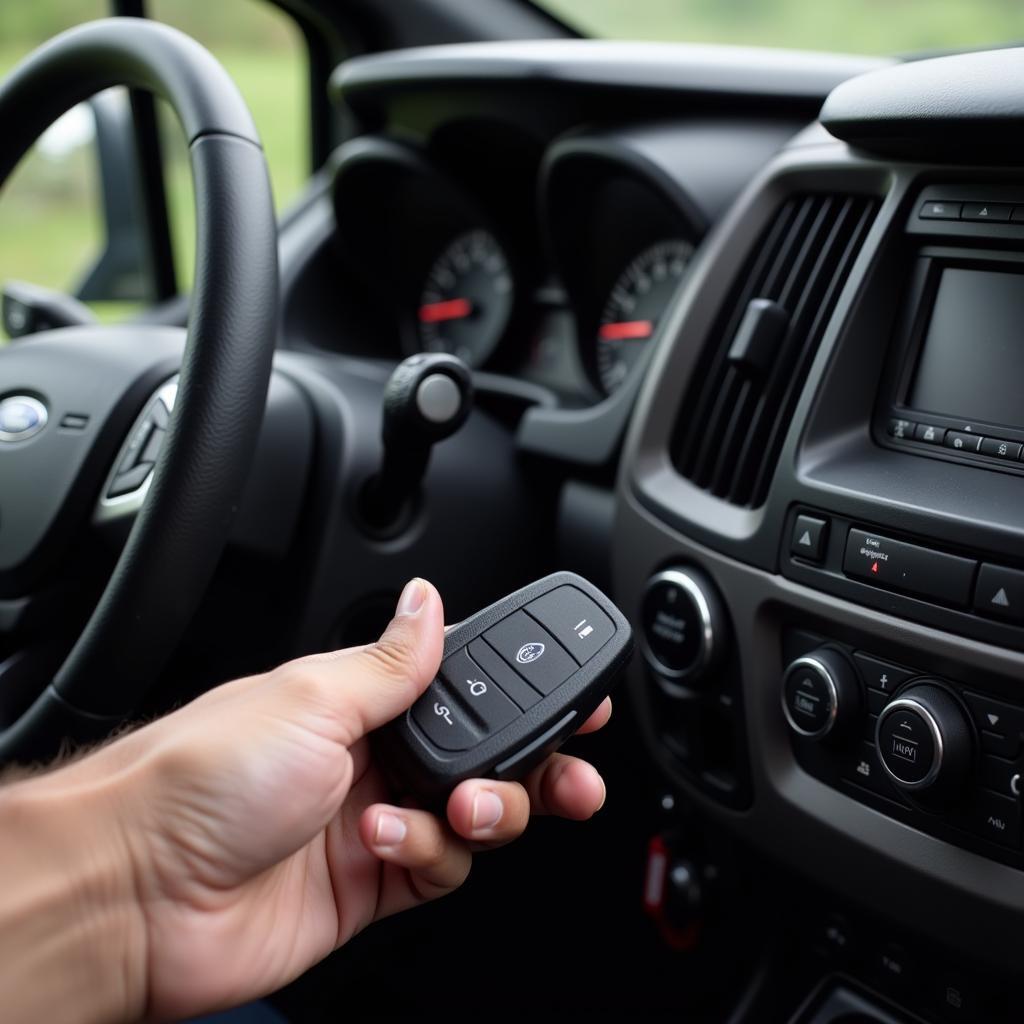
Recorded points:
(953, 376)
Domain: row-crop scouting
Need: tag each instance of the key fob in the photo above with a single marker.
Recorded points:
(516, 680)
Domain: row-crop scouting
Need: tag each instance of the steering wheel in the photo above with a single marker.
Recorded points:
(86, 386)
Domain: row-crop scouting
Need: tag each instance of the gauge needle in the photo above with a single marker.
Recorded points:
(450, 309)
(625, 330)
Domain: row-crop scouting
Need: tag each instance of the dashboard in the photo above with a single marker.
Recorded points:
(776, 360)
(540, 242)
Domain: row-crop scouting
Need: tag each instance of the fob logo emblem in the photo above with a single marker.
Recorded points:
(529, 652)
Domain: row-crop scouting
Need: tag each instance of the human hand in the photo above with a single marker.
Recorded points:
(257, 827)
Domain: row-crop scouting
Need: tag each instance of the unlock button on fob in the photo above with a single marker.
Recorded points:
(477, 692)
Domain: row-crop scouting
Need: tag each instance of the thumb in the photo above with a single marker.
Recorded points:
(376, 683)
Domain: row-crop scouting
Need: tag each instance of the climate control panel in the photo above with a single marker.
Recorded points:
(933, 751)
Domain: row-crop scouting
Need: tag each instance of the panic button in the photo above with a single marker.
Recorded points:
(907, 567)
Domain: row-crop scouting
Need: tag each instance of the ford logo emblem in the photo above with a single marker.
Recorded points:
(21, 417)
(529, 652)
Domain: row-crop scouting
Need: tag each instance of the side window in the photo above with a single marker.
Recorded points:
(70, 215)
(264, 52)
(52, 229)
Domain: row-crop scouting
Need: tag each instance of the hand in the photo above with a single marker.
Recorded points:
(258, 828)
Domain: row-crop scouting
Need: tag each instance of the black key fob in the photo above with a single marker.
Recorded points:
(517, 679)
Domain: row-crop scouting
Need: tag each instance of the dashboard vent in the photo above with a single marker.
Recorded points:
(749, 378)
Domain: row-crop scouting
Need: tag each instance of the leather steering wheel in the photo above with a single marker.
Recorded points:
(104, 376)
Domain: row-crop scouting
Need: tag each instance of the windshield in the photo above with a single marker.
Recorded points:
(848, 26)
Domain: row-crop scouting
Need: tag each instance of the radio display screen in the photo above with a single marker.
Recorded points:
(971, 364)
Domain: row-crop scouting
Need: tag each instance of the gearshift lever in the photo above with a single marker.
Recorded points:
(427, 399)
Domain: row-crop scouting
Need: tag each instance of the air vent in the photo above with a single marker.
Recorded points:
(747, 383)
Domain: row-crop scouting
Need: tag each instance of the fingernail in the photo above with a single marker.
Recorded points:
(390, 830)
(487, 810)
(413, 596)
(604, 796)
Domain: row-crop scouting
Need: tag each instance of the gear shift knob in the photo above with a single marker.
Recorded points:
(427, 399)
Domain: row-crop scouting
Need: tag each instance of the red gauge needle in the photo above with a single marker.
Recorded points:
(450, 309)
(626, 330)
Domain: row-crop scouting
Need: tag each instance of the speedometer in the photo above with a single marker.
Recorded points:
(637, 302)
(467, 299)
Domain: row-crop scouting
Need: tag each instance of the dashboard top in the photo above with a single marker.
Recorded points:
(587, 64)
(966, 106)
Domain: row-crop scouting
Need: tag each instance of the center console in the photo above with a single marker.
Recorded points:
(831, 441)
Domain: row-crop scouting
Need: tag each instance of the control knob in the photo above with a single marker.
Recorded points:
(924, 739)
(820, 694)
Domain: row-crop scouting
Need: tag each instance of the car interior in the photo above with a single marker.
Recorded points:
(705, 324)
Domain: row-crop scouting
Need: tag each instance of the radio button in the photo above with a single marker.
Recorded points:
(929, 433)
(964, 442)
(994, 448)
(916, 570)
(902, 430)
(999, 593)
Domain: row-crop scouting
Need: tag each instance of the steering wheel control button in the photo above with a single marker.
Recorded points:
(511, 683)
(881, 675)
(21, 417)
(477, 692)
(682, 622)
(532, 651)
(125, 487)
(908, 567)
(999, 593)
(130, 481)
(923, 738)
(508, 693)
(809, 537)
(136, 442)
(818, 690)
(574, 621)
(444, 721)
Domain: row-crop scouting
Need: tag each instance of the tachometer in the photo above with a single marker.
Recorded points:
(637, 302)
(467, 299)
